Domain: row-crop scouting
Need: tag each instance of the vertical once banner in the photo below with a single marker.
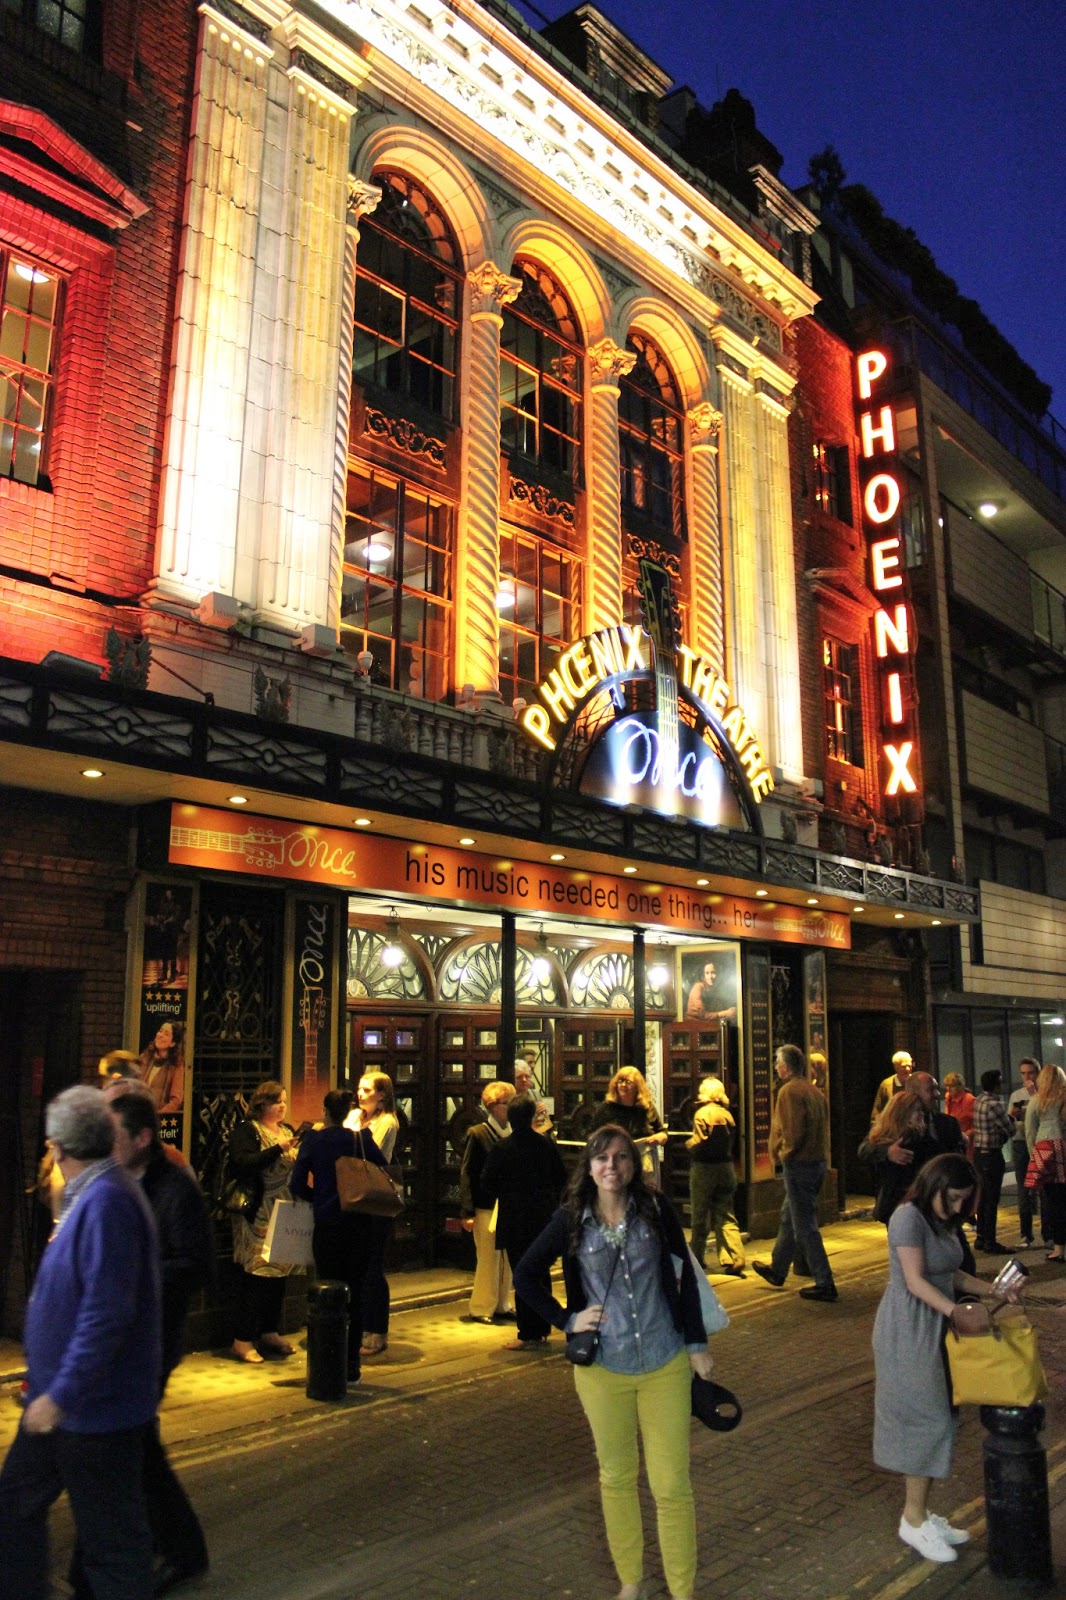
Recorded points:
(164, 1001)
(312, 1006)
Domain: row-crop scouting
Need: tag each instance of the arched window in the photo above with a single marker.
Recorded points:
(651, 443)
(408, 294)
(541, 374)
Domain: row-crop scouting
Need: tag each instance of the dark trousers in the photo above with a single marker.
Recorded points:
(1028, 1199)
(341, 1250)
(375, 1316)
(258, 1306)
(528, 1324)
(177, 1536)
(990, 1169)
(1053, 1198)
(101, 1473)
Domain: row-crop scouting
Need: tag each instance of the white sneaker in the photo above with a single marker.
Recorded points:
(927, 1540)
(949, 1534)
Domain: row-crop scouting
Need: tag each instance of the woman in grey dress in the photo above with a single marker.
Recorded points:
(914, 1429)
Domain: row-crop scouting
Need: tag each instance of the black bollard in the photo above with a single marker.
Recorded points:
(1016, 1498)
(327, 1340)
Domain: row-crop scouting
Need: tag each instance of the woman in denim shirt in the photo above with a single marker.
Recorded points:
(617, 1237)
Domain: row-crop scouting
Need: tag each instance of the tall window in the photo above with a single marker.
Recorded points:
(651, 442)
(832, 481)
(396, 597)
(538, 604)
(843, 725)
(74, 23)
(29, 301)
(408, 294)
(540, 374)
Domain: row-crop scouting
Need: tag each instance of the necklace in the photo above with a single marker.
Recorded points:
(614, 1233)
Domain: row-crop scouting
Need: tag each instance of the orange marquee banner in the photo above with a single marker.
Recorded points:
(269, 847)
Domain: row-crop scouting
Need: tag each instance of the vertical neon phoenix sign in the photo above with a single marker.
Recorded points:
(893, 628)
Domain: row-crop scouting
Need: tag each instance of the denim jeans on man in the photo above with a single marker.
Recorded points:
(799, 1222)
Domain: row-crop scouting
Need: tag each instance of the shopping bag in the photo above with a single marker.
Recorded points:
(288, 1235)
(998, 1366)
(715, 1316)
(366, 1188)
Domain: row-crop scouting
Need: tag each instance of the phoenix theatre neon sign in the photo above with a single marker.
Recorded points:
(657, 759)
(892, 624)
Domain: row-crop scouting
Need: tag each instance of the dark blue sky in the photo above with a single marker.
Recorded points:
(953, 112)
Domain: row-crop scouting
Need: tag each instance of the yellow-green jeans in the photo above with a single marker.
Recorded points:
(659, 1403)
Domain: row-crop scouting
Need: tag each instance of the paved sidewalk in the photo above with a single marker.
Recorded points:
(457, 1469)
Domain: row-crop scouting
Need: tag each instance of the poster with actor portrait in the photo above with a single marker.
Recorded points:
(164, 1001)
(708, 984)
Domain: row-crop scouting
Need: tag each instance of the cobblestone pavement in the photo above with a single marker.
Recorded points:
(460, 1470)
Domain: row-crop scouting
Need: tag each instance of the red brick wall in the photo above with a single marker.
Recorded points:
(825, 413)
(94, 530)
(64, 882)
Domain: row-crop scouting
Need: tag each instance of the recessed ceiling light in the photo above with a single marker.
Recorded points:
(557, 855)
(362, 822)
(988, 508)
(760, 894)
(812, 901)
(701, 883)
(238, 799)
(899, 916)
(629, 869)
(936, 922)
(466, 839)
(92, 772)
(857, 909)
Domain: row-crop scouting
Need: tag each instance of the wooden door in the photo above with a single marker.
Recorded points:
(401, 1047)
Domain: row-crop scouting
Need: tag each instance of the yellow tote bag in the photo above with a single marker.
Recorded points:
(998, 1365)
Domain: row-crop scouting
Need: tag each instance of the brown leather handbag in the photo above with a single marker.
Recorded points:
(366, 1189)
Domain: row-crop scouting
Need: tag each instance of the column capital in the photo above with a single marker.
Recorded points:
(491, 289)
(363, 199)
(704, 423)
(608, 361)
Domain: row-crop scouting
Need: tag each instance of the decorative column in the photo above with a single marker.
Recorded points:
(477, 561)
(744, 665)
(705, 535)
(363, 200)
(285, 531)
(203, 446)
(783, 728)
(603, 591)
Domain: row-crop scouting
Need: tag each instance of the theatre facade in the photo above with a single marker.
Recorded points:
(478, 713)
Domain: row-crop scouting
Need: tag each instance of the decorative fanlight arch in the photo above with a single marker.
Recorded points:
(472, 974)
(602, 980)
(371, 978)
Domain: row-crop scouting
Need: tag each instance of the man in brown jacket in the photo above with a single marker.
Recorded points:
(799, 1141)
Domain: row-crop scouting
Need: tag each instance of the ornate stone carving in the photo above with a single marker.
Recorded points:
(491, 289)
(704, 423)
(741, 311)
(617, 284)
(541, 499)
(608, 361)
(302, 62)
(363, 198)
(501, 202)
(239, 18)
(405, 436)
(651, 549)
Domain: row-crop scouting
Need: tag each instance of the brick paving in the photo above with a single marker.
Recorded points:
(459, 1470)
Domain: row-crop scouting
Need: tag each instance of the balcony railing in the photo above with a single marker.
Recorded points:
(1038, 445)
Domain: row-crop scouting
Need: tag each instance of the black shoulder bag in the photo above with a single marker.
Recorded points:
(582, 1348)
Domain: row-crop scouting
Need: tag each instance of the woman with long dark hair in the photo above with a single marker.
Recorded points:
(617, 1238)
(914, 1428)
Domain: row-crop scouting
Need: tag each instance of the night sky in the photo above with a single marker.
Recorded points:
(953, 112)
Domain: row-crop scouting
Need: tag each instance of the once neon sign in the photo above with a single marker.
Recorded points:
(893, 646)
(588, 667)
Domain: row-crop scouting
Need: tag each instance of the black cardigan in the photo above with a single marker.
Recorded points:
(684, 1302)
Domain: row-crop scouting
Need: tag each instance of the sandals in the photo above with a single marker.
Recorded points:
(373, 1344)
(246, 1352)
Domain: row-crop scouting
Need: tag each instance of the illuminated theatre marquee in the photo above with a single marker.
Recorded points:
(893, 636)
(652, 758)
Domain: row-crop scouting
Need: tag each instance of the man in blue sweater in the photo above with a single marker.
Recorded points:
(92, 1345)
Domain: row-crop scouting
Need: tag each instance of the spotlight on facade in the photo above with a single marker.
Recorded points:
(392, 954)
